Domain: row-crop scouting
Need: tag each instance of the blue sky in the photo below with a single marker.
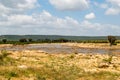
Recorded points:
(60, 17)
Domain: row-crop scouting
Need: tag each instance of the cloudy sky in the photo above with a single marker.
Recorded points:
(60, 17)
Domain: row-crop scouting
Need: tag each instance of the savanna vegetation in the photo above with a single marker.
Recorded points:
(29, 39)
(61, 40)
(39, 65)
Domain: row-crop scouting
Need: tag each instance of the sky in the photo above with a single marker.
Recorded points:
(60, 17)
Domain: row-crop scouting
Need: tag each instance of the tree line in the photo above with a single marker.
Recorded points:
(110, 39)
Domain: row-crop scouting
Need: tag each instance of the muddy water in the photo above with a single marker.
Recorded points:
(59, 48)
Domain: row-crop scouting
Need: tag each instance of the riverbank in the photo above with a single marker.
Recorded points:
(39, 65)
(66, 48)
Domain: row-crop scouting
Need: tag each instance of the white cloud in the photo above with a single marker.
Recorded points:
(114, 2)
(114, 8)
(69, 5)
(46, 23)
(94, 29)
(104, 6)
(17, 6)
(15, 20)
(90, 16)
(112, 11)
(21, 19)
(3, 10)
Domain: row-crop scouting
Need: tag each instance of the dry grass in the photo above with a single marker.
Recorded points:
(38, 65)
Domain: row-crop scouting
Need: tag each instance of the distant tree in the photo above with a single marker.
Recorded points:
(47, 40)
(63, 40)
(60, 40)
(38, 40)
(111, 40)
(30, 40)
(23, 40)
(4, 40)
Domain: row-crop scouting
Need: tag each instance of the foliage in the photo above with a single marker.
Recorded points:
(61, 40)
(30, 40)
(23, 40)
(4, 40)
(112, 40)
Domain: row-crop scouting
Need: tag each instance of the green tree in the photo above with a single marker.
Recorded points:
(111, 40)
(4, 40)
(30, 40)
